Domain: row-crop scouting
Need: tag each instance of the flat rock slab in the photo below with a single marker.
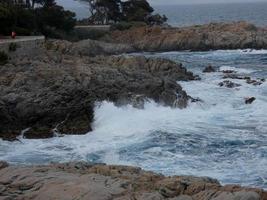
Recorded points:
(102, 182)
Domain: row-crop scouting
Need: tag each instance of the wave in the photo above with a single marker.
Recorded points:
(221, 137)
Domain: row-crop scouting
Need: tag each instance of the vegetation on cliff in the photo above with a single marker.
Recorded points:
(117, 11)
(27, 19)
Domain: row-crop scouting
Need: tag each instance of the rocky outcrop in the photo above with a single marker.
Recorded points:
(238, 35)
(250, 100)
(209, 69)
(102, 182)
(88, 47)
(229, 84)
(55, 93)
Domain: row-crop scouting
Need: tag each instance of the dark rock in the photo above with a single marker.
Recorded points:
(250, 100)
(52, 96)
(229, 84)
(3, 164)
(254, 82)
(228, 71)
(194, 100)
(209, 69)
(232, 76)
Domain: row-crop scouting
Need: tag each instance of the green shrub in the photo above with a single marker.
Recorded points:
(12, 47)
(46, 20)
(3, 58)
(50, 20)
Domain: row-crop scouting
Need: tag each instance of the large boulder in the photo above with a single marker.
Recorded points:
(55, 93)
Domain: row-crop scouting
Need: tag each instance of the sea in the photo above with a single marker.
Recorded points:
(186, 15)
(220, 137)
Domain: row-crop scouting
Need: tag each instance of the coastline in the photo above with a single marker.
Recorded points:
(88, 71)
(102, 182)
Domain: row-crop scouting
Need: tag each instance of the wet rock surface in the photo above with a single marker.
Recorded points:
(55, 93)
(229, 84)
(237, 35)
(209, 69)
(250, 100)
(103, 182)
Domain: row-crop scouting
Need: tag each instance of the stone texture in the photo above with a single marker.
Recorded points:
(237, 35)
(102, 182)
(55, 92)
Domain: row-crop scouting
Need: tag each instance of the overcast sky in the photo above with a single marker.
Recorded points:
(165, 2)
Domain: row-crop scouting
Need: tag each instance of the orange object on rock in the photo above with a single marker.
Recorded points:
(13, 34)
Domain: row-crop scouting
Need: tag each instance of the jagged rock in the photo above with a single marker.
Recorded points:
(3, 164)
(88, 47)
(248, 79)
(254, 82)
(51, 95)
(250, 100)
(236, 35)
(209, 69)
(103, 182)
(233, 76)
(229, 84)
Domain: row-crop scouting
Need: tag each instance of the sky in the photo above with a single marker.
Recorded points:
(169, 2)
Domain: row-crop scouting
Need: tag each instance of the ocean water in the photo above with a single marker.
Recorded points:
(186, 15)
(221, 137)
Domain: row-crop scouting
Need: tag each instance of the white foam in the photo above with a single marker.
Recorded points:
(223, 137)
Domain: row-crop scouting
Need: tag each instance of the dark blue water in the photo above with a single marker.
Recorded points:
(184, 15)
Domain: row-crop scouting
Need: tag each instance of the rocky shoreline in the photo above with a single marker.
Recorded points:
(213, 36)
(54, 89)
(103, 182)
(55, 92)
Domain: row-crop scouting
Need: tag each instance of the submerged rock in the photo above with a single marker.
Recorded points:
(102, 182)
(229, 84)
(254, 82)
(248, 79)
(250, 100)
(209, 69)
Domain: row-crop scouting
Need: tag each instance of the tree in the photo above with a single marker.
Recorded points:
(113, 11)
(136, 10)
(27, 20)
(104, 11)
(7, 19)
(52, 16)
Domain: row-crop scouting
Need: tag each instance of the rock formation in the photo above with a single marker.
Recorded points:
(229, 84)
(102, 182)
(209, 69)
(237, 35)
(56, 92)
